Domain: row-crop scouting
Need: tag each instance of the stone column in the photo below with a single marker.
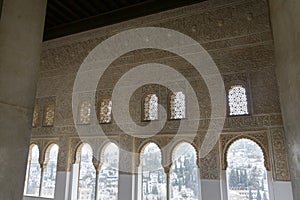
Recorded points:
(167, 172)
(224, 185)
(21, 30)
(210, 175)
(63, 174)
(127, 169)
(97, 165)
(285, 18)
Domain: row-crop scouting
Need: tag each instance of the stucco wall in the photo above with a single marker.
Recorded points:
(285, 19)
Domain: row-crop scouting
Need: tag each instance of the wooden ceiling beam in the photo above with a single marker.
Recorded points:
(78, 8)
(54, 18)
(59, 12)
(124, 3)
(88, 7)
(67, 8)
(102, 6)
(88, 22)
(112, 4)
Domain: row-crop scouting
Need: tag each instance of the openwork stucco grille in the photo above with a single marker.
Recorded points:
(105, 111)
(49, 112)
(237, 100)
(177, 105)
(85, 112)
(151, 107)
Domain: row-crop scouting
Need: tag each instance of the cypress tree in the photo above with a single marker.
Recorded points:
(250, 194)
(258, 197)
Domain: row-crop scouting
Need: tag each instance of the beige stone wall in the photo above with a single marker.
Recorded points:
(286, 29)
(236, 33)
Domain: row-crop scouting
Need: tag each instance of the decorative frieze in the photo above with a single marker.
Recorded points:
(279, 152)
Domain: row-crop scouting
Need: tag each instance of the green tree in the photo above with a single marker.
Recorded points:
(250, 194)
(158, 178)
(238, 180)
(154, 190)
(233, 180)
(262, 185)
(179, 185)
(147, 190)
(258, 197)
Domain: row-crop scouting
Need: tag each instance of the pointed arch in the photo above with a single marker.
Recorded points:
(184, 172)
(262, 147)
(87, 172)
(49, 172)
(108, 180)
(153, 180)
(33, 172)
(246, 172)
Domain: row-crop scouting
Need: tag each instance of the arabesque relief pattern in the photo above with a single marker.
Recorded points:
(238, 37)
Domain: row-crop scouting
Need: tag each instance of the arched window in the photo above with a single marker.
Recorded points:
(151, 107)
(49, 173)
(109, 175)
(85, 112)
(246, 172)
(177, 105)
(237, 100)
(184, 173)
(87, 174)
(105, 111)
(154, 184)
(33, 175)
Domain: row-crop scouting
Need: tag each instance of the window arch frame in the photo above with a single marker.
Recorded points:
(141, 151)
(173, 154)
(261, 146)
(77, 160)
(46, 158)
(101, 156)
(265, 155)
(29, 160)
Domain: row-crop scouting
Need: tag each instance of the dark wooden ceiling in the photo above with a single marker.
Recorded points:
(65, 17)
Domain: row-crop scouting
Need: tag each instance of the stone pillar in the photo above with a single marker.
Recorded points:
(285, 18)
(127, 169)
(126, 177)
(167, 172)
(210, 175)
(21, 30)
(224, 185)
(63, 174)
